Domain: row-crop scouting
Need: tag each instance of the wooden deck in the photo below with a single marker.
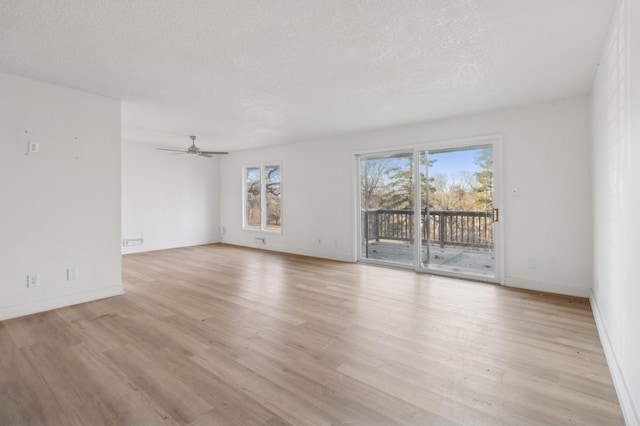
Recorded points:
(475, 262)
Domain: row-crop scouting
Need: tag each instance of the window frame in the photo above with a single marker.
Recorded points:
(263, 166)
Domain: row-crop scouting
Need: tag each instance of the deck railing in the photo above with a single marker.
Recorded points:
(443, 227)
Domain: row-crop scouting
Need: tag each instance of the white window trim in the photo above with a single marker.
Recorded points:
(263, 198)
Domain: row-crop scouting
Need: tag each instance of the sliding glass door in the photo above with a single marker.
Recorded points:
(457, 211)
(387, 208)
(432, 208)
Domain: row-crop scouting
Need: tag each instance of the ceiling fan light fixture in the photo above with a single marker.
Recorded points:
(194, 150)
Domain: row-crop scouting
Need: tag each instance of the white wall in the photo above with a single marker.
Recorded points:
(169, 200)
(616, 189)
(546, 154)
(60, 207)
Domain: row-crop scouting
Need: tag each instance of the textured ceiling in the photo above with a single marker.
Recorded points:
(249, 73)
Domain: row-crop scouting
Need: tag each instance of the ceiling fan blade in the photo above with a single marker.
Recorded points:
(193, 149)
(174, 150)
(178, 153)
(214, 152)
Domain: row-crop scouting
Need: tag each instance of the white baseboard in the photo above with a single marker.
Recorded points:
(629, 411)
(7, 312)
(328, 254)
(321, 254)
(548, 287)
(165, 246)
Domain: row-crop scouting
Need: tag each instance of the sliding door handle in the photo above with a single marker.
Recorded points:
(496, 215)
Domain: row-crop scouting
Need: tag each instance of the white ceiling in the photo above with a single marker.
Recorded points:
(248, 73)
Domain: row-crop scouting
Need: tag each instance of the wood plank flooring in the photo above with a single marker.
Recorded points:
(226, 335)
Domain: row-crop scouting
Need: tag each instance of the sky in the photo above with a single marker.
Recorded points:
(453, 161)
(447, 162)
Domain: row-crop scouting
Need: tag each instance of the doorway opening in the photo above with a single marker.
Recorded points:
(432, 209)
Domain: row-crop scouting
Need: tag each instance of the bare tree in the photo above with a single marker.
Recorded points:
(373, 172)
(453, 192)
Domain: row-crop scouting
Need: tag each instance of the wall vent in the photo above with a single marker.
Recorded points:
(132, 241)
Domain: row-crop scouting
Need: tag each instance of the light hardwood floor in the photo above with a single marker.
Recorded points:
(225, 335)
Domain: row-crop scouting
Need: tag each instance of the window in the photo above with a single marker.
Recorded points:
(262, 198)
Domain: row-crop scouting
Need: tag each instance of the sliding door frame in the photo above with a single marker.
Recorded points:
(496, 140)
(496, 143)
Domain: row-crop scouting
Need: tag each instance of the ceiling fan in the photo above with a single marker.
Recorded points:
(193, 149)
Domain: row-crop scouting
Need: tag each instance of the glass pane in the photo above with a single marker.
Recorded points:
(273, 196)
(252, 185)
(457, 210)
(386, 200)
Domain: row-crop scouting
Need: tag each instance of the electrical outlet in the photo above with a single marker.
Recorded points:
(33, 147)
(33, 280)
(72, 274)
